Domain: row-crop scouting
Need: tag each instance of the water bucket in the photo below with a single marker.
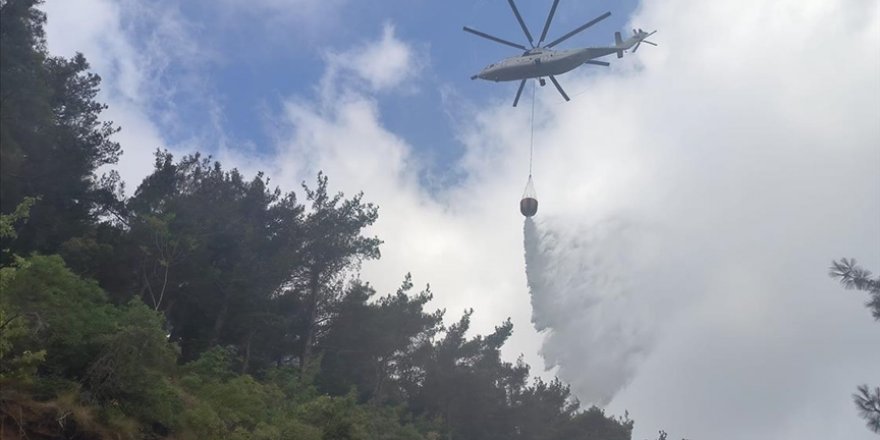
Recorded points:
(528, 206)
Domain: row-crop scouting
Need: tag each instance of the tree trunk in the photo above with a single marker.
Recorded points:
(247, 353)
(220, 321)
(311, 315)
(380, 378)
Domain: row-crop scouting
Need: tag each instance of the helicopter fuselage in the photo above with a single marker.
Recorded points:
(541, 62)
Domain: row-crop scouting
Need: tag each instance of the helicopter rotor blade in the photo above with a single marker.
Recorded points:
(547, 23)
(597, 63)
(495, 39)
(558, 87)
(522, 24)
(648, 42)
(519, 92)
(572, 33)
(636, 47)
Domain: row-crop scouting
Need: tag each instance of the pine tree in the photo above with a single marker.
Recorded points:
(51, 138)
(853, 276)
(333, 248)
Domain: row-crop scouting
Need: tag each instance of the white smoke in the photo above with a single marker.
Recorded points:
(584, 282)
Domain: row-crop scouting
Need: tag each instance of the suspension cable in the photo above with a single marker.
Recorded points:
(532, 125)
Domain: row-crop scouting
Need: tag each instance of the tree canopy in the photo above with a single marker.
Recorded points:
(853, 276)
(212, 305)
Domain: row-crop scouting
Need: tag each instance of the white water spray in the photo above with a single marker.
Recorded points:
(582, 285)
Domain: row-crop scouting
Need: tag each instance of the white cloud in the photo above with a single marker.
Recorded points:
(386, 64)
(84, 27)
(150, 64)
(296, 22)
(304, 8)
(463, 242)
(742, 154)
(132, 63)
(742, 157)
(747, 170)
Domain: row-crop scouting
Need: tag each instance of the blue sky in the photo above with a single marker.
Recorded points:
(691, 195)
(255, 62)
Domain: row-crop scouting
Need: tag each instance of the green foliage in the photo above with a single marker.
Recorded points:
(101, 256)
(367, 342)
(8, 271)
(134, 366)
(66, 315)
(19, 366)
(65, 326)
(593, 423)
(296, 384)
(213, 306)
(868, 403)
(544, 410)
(241, 401)
(853, 276)
(394, 423)
(333, 246)
(212, 249)
(224, 404)
(339, 418)
(21, 213)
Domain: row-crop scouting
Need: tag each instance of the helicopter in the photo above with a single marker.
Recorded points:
(541, 61)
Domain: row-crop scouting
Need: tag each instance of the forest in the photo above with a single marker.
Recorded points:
(211, 305)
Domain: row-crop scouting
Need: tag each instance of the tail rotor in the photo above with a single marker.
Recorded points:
(641, 36)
